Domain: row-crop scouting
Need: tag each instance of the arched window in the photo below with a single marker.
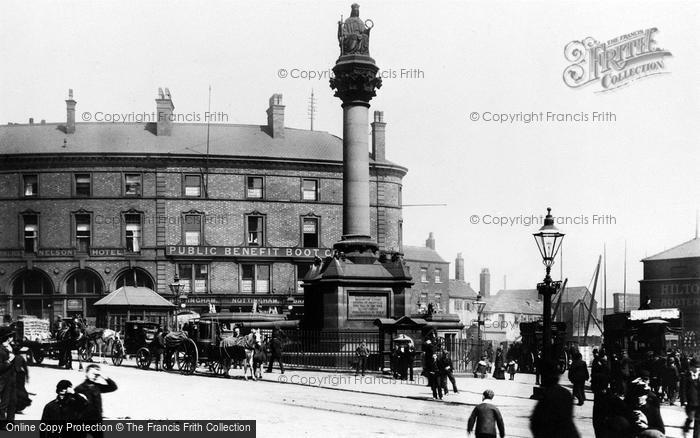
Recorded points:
(83, 281)
(134, 277)
(32, 282)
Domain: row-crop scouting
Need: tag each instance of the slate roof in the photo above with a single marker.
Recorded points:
(461, 289)
(421, 254)
(187, 139)
(689, 249)
(134, 296)
(523, 301)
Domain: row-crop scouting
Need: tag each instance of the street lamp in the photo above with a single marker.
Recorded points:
(479, 310)
(175, 288)
(549, 240)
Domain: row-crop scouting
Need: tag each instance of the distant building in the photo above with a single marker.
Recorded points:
(462, 298)
(431, 277)
(619, 305)
(672, 280)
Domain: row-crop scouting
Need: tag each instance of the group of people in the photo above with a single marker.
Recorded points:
(13, 376)
(438, 366)
(80, 405)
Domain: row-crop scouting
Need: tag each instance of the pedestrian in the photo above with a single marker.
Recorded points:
(626, 373)
(486, 417)
(8, 377)
(433, 373)
(692, 394)
(276, 350)
(446, 371)
(159, 348)
(92, 388)
(684, 371)
(646, 408)
(499, 366)
(669, 380)
(67, 407)
(512, 368)
(22, 400)
(482, 368)
(553, 414)
(537, 364)
(611, 416)
(578, 375)
(361, 353)
(599, 367)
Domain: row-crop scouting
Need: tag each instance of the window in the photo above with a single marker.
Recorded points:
(255, 230)
(82, 184)
(82, 232)
(423, 275)
(254, 185)
(193, 229)
(32, 282)
(458, 304)
(132, 184)
(135, 277)
(302, 270)
(31, 186)
(83, 282)
(438, 272)
(309, 230)
(31, 233)
(133, 232)
(193, 186)
(309, 190)
(255, 278)
(194, 278)
(438, 301)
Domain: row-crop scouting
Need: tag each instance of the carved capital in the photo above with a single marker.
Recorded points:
(355, 81)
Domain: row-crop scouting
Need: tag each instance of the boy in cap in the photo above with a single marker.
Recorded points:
(487, 417)
(66, 407)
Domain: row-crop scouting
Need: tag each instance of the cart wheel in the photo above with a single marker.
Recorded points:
(187, 356)
(219, 368)
(117, 353)
(168, 360)
(143, 358)
(38, 356)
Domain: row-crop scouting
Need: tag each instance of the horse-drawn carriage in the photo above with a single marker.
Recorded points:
(527, 352)
(35, 336)
(138, 342)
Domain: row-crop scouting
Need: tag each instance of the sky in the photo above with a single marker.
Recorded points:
(636, 176)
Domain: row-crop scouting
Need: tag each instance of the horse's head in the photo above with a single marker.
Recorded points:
(256, 337)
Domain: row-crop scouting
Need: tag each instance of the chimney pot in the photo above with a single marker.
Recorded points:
(70, 113)
(164, 112)
(275, 116)
(378, 137)
(459, 267)
(31, 120)
(43, 121)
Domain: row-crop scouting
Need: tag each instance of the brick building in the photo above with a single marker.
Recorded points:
(431, 275)
(90, 207)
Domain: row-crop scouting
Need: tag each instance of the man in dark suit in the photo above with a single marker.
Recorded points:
(67, 407)
(92, 388)
(578, 375)
(553, 414)
(692, 394)
(276, 350)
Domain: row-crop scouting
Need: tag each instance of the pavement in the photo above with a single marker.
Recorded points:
(314, 403)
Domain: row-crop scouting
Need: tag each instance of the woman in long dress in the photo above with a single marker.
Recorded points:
(499, 365)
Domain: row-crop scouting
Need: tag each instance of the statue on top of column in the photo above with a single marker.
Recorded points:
(353, 34)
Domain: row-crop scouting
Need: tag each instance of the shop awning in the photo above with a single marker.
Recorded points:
(132, 296)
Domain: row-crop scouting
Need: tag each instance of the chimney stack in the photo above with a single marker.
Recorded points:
(31, 121)
(485, 282)
(378, 137)
(459, 267)
(70, 113)
(275, 116)
(164, 112)
(430, 241)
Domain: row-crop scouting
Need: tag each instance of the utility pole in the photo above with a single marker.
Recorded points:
(312, 108)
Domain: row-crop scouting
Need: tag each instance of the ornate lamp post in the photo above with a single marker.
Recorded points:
(175, 288)
(479, 311)
(549, 240)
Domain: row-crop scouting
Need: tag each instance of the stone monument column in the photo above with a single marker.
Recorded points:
(355, 83)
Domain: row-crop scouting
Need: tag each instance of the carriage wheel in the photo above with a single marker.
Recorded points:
(219, 368)
(143, 358)
(168, 360)
(563, 362)
(187, 356)
(117, 353)
(38, 356)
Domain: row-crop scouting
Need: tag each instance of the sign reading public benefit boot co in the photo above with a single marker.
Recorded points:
(246, 251)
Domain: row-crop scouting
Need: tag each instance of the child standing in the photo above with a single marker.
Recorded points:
(486, 417)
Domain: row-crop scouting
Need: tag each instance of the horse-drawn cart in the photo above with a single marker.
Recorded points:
(138, 340)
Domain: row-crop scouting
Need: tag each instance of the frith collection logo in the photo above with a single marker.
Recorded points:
(615, 63)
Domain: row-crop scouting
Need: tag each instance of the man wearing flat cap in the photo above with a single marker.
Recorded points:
(67, 407)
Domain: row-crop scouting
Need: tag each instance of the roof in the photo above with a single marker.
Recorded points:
(134, 296)
(226, 140)
(523, 301)
(689, 249)
(421, 254)
(461, 289)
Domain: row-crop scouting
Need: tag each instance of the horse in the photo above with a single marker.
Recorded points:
(101, 339)
(240, 348)
(259, 359)
(71, 337)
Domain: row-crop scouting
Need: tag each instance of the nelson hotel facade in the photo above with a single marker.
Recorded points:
(90, 207)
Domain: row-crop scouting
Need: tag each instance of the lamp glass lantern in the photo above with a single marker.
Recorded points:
(548, 239)
(176, 287)
(479, 304)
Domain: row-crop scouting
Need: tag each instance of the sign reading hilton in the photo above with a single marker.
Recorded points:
(246, 251)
